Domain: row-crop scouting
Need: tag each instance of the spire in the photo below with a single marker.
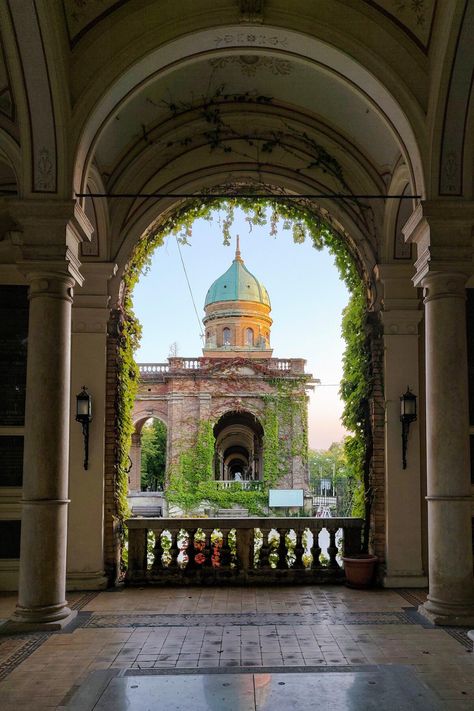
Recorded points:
(238, 258)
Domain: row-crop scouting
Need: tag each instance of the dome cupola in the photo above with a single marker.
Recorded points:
(237, 320)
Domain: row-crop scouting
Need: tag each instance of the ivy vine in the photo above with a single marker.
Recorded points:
(299, 217)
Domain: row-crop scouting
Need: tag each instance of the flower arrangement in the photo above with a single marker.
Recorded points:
(307, 541)
(166, 556)
(232, 543)
(217, 541)
(290, 542)
(257, 546)
(199, 545)
(273, 542)
(183, 544)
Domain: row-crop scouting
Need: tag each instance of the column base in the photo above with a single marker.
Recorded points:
(86, 581)
(404, 580)
(450, 615)
(41, 619)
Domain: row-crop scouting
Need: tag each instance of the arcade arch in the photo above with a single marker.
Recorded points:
(397, 87)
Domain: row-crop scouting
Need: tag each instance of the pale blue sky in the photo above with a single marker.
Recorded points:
(306, 294)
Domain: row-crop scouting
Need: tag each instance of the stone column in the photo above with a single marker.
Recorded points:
(136, 457)
(90, 316)
(451, 590)
(41, 599)
(401, 319)
(442, 231)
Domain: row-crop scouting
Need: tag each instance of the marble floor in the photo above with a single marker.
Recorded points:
(239, 648)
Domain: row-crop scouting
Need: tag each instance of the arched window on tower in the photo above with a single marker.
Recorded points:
(249, 336)
(226, 337)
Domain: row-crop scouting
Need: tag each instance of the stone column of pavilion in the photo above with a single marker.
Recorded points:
(136, 459)
(442, 232)
(401, 317)
(50, 235)
(90, 316)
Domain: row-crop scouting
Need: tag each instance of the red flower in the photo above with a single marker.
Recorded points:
(200, 558)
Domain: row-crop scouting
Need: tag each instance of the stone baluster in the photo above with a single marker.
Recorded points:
(137, 562)
(243, 550)
(191, 550)
(316, 549)
(332, 548)
(265, 549)
(225, 549)
(174, 550)
(282, 562)
(157, 552)
(299, 549)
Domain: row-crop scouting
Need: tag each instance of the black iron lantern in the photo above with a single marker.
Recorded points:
(84, 416)
(407, 416)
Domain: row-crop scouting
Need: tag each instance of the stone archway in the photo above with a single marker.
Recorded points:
(238, 447)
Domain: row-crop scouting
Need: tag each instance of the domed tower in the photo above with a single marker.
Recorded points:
(237, 319)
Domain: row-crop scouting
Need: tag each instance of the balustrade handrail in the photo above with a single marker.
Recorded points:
(247, 553)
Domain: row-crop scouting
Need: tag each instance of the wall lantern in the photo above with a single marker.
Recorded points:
(407, 416)
(84, 416)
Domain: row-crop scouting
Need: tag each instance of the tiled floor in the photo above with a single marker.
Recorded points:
(148, 632)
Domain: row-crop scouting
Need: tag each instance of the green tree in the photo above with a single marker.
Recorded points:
(334, 465)
(153, 463)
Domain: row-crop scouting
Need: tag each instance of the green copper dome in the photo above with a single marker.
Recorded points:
(237, 284)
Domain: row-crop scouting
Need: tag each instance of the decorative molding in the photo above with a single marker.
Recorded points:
(251, 39)
(250, 64)
(38, 90)
(401, 322)
(457, 105)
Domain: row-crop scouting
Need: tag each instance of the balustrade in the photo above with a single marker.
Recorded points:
(250, 485)
(238, 551)
(152, 368)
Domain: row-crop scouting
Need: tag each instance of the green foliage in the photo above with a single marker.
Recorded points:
(286, 429)
(153, 462)
(304, 222)
(127, 385)
(335, 464)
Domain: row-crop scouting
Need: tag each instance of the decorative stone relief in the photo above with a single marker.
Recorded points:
(460, 86)
(250, 64)
(7, 107)
(44, 171)
(415, 15)
(41, 116)
(83, 14)
(249, 39)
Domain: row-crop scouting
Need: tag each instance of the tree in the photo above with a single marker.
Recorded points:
(153, 455)
(332, 466)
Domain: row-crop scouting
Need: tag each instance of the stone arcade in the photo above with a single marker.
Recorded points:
(100, 99)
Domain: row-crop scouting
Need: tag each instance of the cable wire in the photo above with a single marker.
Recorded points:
(201, 333)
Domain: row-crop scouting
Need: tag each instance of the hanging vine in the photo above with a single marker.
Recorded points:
(298, 217)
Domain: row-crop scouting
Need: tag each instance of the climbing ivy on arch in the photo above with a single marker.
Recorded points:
(301, 220)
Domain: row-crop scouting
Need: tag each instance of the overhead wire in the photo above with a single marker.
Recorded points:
(201, 333)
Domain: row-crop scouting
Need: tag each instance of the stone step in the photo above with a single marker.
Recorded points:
(233, 513)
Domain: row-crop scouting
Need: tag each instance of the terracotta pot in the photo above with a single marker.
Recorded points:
(359, 570)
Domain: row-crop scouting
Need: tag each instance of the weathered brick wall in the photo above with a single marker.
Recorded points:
(111, 541)
(377, 473)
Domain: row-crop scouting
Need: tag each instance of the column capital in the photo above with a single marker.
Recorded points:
(442, 285)
(443, 233)
(401, 322)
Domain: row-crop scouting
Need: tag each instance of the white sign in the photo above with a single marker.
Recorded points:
(285, 497)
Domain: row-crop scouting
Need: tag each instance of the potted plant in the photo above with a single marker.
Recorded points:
(359, 570)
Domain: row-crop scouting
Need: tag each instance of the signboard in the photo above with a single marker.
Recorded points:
(284, 498)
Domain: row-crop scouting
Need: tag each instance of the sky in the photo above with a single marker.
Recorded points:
(306, 295)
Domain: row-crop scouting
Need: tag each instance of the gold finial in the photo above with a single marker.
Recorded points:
(238, 257)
